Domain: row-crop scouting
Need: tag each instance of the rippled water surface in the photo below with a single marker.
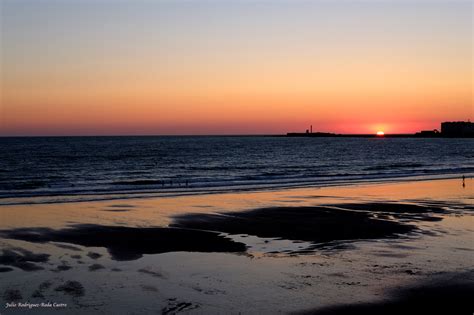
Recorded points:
(101, 166)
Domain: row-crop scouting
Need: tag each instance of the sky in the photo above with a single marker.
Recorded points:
(142, 67)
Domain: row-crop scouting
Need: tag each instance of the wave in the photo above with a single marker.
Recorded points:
(142, 182)
(394, 166)
(62, 169)
(155, 188)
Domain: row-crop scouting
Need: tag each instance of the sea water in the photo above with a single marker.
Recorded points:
(88, 168)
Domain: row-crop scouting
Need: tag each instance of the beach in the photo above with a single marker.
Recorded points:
(372, 247)
(236, 157)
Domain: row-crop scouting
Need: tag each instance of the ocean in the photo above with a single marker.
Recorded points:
(61, 169)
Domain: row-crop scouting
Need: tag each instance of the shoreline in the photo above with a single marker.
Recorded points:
(323, 249)
(171, 193)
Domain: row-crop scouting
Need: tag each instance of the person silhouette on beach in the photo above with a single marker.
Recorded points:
(463, 181)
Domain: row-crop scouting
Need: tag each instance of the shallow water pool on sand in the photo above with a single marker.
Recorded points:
(292, 250)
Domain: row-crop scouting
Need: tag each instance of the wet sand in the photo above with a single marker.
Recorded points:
(369, 249)
(126, 243)
(450, 294)
(318, 225)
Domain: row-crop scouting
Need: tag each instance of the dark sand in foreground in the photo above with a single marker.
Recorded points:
(323, 255)
(451, 294)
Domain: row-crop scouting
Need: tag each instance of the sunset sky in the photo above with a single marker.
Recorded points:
(82, 67)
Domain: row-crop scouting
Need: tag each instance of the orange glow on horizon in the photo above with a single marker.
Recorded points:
(228, 71)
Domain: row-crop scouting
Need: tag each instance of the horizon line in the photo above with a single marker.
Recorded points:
(330, 134)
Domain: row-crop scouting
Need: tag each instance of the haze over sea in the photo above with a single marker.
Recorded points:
(58, 169)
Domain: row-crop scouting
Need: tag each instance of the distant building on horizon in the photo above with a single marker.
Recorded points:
(428, 133)
(457, 129)
(449, 129)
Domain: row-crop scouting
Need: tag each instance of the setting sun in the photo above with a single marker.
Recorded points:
(227, 130)
(200, 67)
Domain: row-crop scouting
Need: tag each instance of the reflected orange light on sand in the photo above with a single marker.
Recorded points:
(145, 210)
